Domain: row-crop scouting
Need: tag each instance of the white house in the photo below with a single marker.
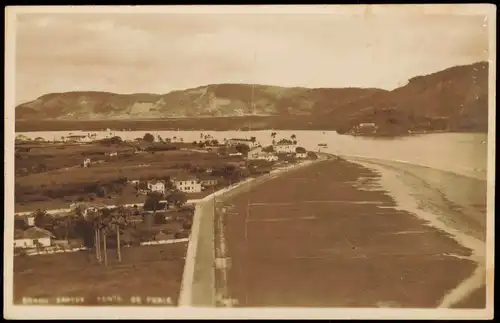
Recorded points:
(248, 142)
(75, 138)
(367, 125)
(285, 148)
(301, 155)
(267, 156)
(254, 152)
(111, 154)
(156, 186)
(187, 183)
(258, 154)
(33, 237)
(86, 162)
(29, 220)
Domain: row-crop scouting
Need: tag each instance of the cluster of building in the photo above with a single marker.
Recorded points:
(236, 141)
(32, 237)
(365, 128)
(184, 182)
(257, 152)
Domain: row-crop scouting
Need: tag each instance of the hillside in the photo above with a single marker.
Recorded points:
(221, 100)
(453, 99)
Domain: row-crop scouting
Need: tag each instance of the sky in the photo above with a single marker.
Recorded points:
(158, 53)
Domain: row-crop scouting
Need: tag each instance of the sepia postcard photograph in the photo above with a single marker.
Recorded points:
(249, 161)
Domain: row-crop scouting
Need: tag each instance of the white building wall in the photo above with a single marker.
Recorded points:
(23, 243)
(45, 241)
(157, 187)
(191, 186)
(285, 148)
(30, 221)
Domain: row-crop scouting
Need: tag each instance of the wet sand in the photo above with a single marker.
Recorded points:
(331, 236)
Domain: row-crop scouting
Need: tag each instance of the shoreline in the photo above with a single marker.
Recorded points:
(353, 225)
(391, 181)
(192, 294)
(260, 122)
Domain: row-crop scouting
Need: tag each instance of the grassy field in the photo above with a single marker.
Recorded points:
(63, 180)
(317, 237)
(146, 272)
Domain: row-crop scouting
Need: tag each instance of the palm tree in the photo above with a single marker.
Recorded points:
(105, 222)
(104, 233)
(174, 138)
(201, 135)
(293, 136)
(119, 221)
(273, 135)
(100, 222)
(95, 220)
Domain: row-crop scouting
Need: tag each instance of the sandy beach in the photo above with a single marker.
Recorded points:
(345, 234)
(451, 203)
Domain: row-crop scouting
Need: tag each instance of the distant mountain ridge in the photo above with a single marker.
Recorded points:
(458, 94)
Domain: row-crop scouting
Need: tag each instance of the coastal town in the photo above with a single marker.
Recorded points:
(291, 162)
(104, 198)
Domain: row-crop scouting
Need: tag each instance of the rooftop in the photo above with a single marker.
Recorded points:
(76, 136)
(154, 182)
(184, 177)
(238, 139)
(284, 144)
(33, 233)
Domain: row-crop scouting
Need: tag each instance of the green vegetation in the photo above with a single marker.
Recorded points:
(148, 137)
(300, 150)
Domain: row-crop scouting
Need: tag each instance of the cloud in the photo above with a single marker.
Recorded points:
(162, 52)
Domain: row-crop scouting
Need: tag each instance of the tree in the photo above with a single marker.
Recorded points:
(152, 201)
(159, 218)
(148, 137)
(40, 218)
(242, 148)
(177, 198)
(118, 223)
(253, 139)
(300, 150)
(86, 231)
(312, 155)
(273, 135)
(104, 222)
(195, 143)
(268, 149)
